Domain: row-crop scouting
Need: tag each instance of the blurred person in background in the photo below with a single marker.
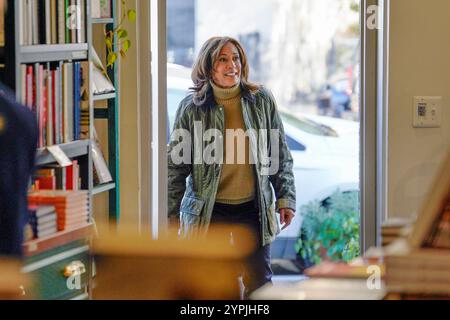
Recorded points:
(18, 141)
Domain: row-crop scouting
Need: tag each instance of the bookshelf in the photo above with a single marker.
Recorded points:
(110, 114)
(50, 253)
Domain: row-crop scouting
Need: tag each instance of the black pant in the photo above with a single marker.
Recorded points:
(257, 271)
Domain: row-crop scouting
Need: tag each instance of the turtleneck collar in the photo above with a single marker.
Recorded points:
(225, 94)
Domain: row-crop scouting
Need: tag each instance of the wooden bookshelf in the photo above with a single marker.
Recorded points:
(53, 52)
(39, 246)
(102, 20)
(105, 96)
(69, 245)
(103, 188)
(71, 149)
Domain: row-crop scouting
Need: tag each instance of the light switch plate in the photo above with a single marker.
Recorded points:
(427, 112)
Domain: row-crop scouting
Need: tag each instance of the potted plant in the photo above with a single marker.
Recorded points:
(330, 230)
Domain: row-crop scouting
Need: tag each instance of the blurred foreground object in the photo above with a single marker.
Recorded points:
(12, 281)
(394, 229)
(361, 279)
(420, 264)
(133, 266)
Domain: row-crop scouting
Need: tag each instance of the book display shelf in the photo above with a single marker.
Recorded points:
(48, 59)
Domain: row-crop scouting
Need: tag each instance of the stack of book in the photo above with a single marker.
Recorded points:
(42, 221)
(59, 95)
(54, 177)
(420, 264)
(52, 21)
(394, 229)
(72, 207)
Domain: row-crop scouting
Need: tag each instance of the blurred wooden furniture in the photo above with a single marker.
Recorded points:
(12, 281)
(47, 261)
(130, 266)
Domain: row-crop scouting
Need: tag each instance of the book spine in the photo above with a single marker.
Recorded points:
(22, 22)
(105, 8)
(41, 18)
(83, 21)
(23, 84)
(65, 102)
(74, 20)
(48, 23)
(70, 101)
(67, 20)
(49, 107)
(95, 9)
(54, 22)
(54, 86)
(61, 22)
(30, 83)
(34, 7)
(76, 95)
(60, 104)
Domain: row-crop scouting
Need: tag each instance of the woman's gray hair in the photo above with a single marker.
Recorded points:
(203, 68)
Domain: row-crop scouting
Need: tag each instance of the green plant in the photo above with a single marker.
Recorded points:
(330, 230)
(120, 35)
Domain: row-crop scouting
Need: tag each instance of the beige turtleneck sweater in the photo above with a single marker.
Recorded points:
(237, 180)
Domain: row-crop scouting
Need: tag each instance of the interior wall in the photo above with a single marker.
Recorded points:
(129, 126)
(419, 65)
(130, 131)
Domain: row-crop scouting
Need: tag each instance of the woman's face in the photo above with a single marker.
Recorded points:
(227, 69)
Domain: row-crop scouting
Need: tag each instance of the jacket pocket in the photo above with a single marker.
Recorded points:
(191, 209)
(192, 205)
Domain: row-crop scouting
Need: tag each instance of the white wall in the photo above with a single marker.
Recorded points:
(419, 62)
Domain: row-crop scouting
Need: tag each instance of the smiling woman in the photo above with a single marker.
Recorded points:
(227, 192)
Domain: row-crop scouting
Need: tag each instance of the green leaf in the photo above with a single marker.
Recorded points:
(122, 33)
(112, 57)
(108, 43)
(131, 15)
(122, 53)
(126, 45)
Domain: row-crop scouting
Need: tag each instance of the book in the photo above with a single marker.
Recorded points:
(52, 21)
(84, 101)
(43, 219)
(105, 8)
(61, 7)
(53, 91)
(76, 100)
(101, 171)
(41, 211)
(95, 9)
(101, 83)
(71, 207)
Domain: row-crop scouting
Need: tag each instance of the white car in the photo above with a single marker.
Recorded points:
(325, 151)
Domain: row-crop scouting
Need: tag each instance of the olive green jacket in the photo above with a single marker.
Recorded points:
(192, 199)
